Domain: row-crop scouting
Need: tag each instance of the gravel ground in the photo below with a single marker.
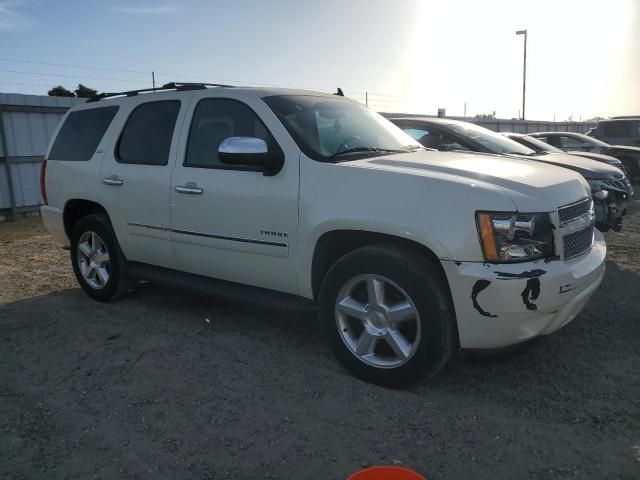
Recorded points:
(171, 385)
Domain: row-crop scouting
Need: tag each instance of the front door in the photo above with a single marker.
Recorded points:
(230, 222)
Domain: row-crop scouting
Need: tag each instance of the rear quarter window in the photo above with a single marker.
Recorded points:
(81, 133)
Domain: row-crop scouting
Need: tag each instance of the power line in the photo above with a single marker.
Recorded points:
(72, 66)
(42, 74)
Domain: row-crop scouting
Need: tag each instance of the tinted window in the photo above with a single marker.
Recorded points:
(216, 119)
(146, 138)
(617, 129)
(435, 139)
(492, 141)
(536, 144)
(571, 142)
(81, 133)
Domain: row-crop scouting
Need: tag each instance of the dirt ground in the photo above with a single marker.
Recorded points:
(171, 385)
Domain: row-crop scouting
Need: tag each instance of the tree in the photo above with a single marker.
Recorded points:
(85, 92)
(60, 91)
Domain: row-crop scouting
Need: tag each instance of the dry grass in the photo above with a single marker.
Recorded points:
(30, 263)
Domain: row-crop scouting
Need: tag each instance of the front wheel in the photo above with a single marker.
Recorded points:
(387, 315)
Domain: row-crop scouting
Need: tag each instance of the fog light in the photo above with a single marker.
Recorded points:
(602, 194)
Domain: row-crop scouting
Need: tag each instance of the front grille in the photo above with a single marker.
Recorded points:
(622, 185)
(576, 210)
(577, 243)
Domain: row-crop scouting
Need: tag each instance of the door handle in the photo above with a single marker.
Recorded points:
(189, 188)
(112, 180)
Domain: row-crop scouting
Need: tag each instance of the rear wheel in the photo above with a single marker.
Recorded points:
(97, 261)
(387, 315)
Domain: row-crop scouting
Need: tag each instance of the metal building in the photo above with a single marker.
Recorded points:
(27, 123)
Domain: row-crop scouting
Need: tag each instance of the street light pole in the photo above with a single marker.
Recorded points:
(524, 70)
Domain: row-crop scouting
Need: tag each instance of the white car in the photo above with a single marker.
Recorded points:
(289, 196)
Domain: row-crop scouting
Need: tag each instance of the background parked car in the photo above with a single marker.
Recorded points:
(610, 187)
(619, 130)
(543, 147)
(570, 141)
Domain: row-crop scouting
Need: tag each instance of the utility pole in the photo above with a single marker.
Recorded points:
(366, 98)
(153, 79)
(524, 71)
(465, 110)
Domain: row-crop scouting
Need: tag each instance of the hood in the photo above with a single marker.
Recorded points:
(531, 186)
(598, 157)
(626, 149)
(589, 169)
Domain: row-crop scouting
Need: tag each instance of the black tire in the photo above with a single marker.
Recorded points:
(118, 284)
(423, 281)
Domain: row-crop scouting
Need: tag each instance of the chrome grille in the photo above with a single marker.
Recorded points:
(576, 210)
(577, 243)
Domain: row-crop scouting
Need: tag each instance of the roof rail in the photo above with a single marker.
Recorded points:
(177, 86)
(621, 117)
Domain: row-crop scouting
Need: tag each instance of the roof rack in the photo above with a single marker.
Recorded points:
(177, 86)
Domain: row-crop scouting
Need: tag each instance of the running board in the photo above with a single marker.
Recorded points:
(221, 288)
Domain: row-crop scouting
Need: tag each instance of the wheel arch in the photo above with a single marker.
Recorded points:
(334, 244)
(75, 209)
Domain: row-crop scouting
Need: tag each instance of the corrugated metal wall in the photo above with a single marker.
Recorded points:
(28, 122)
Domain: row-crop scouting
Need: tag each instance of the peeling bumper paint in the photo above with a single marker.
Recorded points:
(500, 305)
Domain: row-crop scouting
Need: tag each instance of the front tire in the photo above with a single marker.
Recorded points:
(387, 315)
(97, 260)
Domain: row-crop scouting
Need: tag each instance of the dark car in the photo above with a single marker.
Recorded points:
(569, 141)
(619, 130)
(543, 147)
(610, 187)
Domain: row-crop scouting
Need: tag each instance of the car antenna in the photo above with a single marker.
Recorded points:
(340, 93)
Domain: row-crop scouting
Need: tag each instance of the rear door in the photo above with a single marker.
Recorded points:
(230, 222)
(135, 176)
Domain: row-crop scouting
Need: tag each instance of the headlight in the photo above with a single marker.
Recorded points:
(515, 237)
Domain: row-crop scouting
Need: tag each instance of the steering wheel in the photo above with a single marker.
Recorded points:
(345, 143)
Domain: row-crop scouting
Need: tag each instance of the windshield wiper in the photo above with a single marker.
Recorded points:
(365, 150)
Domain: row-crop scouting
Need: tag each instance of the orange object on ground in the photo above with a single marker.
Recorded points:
(386, 473)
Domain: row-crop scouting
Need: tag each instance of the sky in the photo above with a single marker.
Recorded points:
(412, 56)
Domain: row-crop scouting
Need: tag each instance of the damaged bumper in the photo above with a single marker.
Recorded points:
(502, 304)
(610, 203)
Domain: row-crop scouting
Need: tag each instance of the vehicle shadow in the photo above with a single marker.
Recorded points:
(166, 378)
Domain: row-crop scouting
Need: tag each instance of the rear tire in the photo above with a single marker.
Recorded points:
(98, 262)
(404, 331)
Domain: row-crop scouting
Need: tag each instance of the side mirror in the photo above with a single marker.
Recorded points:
(250, 152)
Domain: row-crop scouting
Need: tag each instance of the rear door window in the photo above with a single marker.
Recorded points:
(81, 133)
(617, 129)
(146, 137)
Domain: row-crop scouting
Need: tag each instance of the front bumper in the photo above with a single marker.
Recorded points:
(503, 304)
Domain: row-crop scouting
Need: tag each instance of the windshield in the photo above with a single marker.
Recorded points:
(538, 144)
(591, 140)
(495, 142)
(325, 127)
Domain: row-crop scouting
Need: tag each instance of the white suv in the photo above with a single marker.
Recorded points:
(284, 195)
